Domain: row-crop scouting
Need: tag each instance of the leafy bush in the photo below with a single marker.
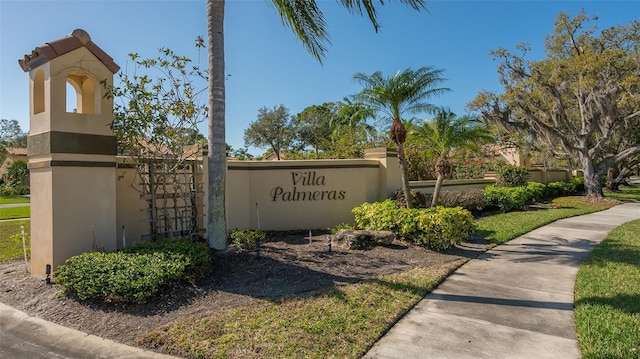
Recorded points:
(339, 227)
(17, 174)
(471, 199)
(475, 169)
(535, 191)
(246, 239)
(579, 183)
(377, 216)
(135, 274)
(562, 188)
(436, 228)
(420, 165)
(444, 227)
(8, 190)
(506, 198)
(512, 176)
(196, 254)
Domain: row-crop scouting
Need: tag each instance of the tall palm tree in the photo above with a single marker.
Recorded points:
(404, 92)
(307, 22)
(446, 132)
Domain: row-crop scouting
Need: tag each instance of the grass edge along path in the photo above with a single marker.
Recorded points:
(14, 199)
(15, 212)
(502, 227)
(303, 327)
(607, 296)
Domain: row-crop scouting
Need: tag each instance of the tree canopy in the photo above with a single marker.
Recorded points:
(11, 135)
(446, 132)
(579, 99)
(272, 129)
(406, 91)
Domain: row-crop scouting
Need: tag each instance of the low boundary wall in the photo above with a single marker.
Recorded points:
(296, 195)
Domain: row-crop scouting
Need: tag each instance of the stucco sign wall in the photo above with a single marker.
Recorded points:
(306, 186)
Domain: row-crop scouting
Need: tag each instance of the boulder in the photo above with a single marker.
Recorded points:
(363, 239)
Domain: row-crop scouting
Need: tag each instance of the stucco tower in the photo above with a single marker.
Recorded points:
(71, 151)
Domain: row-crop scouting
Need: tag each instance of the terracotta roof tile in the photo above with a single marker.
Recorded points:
(77, 39)
(16, 151)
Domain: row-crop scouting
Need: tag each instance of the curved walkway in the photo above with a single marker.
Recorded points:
(514, 301)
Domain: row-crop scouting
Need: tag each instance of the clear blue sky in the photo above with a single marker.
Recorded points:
(269, 66)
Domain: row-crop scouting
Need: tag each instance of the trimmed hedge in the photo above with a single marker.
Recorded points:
(512, 176)
(436, 228)
(507, 198)
(135, 274)
(515, 198)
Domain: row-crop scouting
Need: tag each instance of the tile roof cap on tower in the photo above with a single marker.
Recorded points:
(50, 50)
(16, 151)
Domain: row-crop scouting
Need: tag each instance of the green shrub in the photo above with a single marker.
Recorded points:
(377, 216)
(535, 191)
(554, 189)
(506, 198)
(512, 176)
(475, 169)
(563, 188)
(135, 274)
(17, 174)
(579, 183)
(444, 227)
(436, 228)
(18, 190)
(339, 227)
(471, 199)
(246, 239)
(196, 254)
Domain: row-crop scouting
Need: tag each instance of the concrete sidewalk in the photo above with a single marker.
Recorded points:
(23, 336)
(514, 301)
(12, 205)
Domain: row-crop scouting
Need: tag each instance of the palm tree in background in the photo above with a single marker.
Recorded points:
(404, 92)
(446, 132)
(307, 21)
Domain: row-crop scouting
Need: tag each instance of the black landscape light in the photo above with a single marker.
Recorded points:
(47, 271)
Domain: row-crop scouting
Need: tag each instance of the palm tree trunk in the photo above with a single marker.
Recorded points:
(443, 169)
(217, 158)
(404, 175)
(436, 190)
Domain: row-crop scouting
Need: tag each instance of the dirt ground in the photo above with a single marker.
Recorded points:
(289, 263)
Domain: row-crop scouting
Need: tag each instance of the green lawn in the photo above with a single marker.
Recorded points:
(15, 212)
(627, 193)
(341, 323)
(13, 199)
(607, 297)
(11, 240)
(503, 227)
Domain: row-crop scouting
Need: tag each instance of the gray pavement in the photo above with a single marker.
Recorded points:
(26, 337)
(11, 205)
(514, 301)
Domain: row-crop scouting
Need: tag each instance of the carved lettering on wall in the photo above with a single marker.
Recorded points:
(304, 188)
